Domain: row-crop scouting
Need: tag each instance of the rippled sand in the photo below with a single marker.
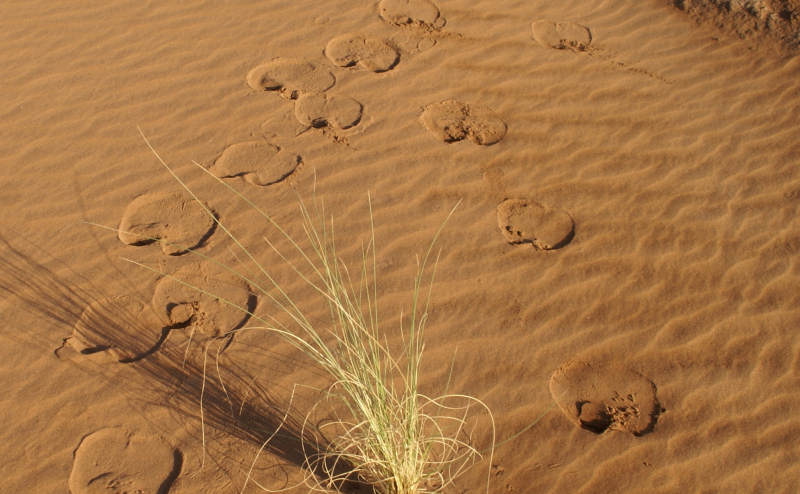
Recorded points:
(624, 265)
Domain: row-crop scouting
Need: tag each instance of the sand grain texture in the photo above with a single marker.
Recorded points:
(671, 145)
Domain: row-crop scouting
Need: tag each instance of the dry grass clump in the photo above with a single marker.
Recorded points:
(385, 433)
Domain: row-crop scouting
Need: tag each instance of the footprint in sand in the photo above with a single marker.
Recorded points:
(578, 38)
(125, 327)
(422, 14)
(372, 54)
(319, 110)
(452, 120)
(527, 222)
(561, 35)
(258, 162)
(213, 313)
(117, 461)
(600, 397)
(178, 223)
(291, 77)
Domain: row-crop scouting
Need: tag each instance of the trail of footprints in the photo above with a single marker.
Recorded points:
(179, 224)
(595, 397)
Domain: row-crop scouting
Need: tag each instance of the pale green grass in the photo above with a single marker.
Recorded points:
(385, 432)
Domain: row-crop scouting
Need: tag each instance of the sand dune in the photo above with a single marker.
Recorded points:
(623, 266)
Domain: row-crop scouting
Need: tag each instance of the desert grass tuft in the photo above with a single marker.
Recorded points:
(385, 432)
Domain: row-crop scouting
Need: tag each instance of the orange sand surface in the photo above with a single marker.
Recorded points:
(623, 269)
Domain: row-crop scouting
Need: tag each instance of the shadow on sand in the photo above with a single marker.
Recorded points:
(233, 403)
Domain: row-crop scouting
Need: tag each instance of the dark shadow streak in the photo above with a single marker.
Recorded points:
(238, 407)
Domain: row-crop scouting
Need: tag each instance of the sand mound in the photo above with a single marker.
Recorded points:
(774, 21)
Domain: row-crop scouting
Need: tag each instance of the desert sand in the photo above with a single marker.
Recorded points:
(622, 271)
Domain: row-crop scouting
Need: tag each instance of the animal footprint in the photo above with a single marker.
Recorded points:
(292, 77)
(578, 38)
(561, 35)
(417, 13)
(599, 397)
(215, 311)
(178, 223)
(123, 326)
(322, 111)
(370, 53)
(259, 162)
(117, 461)
(522, 221)
(452, 120)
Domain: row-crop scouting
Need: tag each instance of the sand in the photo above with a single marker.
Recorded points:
(623, 268)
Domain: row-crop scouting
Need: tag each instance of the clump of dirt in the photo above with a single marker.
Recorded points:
(775, 22)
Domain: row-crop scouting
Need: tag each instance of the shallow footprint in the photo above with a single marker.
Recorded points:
(178, 223)
(452, 120)
(599, 397)
(523, 221)
(125, 327)
(370, 53)
(206, 315)
(561, 35)
(259, 162)
(578, 38)
(418, 13)
(322, 111)
(117, 461)
(291, 77)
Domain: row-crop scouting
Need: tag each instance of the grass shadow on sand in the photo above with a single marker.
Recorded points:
(218, 394)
